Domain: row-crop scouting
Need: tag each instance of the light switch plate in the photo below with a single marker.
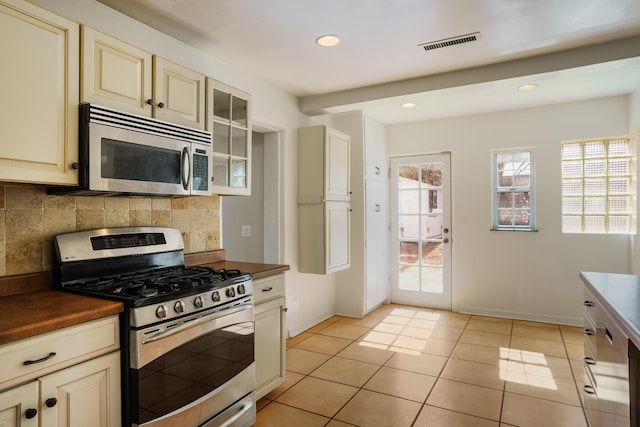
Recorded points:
(246, 231)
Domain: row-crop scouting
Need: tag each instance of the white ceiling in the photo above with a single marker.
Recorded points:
(379, 65)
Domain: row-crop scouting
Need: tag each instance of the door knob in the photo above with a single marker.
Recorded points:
(446, 230)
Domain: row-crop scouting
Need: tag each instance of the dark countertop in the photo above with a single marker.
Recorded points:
(258, 271)
(31, 313)
(29, 307)
(619, 294)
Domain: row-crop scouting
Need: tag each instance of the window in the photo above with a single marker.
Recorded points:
(598, 186)
(513, 195)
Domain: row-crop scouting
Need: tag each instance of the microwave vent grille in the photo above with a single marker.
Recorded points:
(102, 115)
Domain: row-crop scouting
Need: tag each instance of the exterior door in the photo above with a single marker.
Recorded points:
(421, 231)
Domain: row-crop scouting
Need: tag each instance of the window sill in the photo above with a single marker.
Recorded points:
(526, 230)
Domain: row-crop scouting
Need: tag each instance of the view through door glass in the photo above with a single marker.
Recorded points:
(421, 231)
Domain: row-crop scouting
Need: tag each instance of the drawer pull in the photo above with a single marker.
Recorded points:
(589, 360)
(588, 389)
(270, 288)
(588, 331)
(589, 303)
(44, 359)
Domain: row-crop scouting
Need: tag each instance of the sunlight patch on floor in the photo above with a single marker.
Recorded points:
(402, 331)
(526, 367)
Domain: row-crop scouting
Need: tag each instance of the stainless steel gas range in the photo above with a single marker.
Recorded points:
(187, 333)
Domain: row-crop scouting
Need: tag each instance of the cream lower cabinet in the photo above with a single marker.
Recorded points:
(39, 85)
(66, 378)
(270, 333)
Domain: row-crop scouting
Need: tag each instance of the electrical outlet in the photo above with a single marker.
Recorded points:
(246, 231)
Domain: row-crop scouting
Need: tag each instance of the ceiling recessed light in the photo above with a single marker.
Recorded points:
(408, 105)
(328, 40)
(528, 87)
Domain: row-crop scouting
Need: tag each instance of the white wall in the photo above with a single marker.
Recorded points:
(237, 211)
(519, 274)
(634, 131)
(309, 297)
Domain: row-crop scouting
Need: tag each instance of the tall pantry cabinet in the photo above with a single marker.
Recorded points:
(364, 286)
(324, 194)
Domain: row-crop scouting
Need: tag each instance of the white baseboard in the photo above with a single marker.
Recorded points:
(533, 317)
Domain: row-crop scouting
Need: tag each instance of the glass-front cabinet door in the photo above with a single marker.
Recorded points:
(229, 120)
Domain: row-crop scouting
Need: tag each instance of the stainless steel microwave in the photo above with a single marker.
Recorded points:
(127, 154)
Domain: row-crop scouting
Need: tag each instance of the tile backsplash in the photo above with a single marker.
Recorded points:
(29, 219)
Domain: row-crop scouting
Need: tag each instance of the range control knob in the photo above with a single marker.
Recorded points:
(231, 292)
(215, 296)
(241, 290)
(178, 307)
(161, 311)
(198, 302)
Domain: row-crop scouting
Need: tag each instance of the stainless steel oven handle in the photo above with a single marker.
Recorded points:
(169, 332)
(243, 410)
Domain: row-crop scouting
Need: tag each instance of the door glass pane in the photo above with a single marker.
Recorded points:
(432, 174)
(408, 176)
(408, 202)
(220, 171)
(432, 280)
(239, 142)
(408, 227)
(239, 110)
(408, 252)
(409, 278)
(238, 173)
(431, 227)
(221, 101)
(221, 138)
(432, 253)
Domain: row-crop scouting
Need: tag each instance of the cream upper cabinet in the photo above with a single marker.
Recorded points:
(178, 94)
(324, 194)
(229, 120)
(124, 77)
(39, 81)
(115, 74)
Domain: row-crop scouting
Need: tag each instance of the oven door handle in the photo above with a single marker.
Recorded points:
(243, 410)
(169, 332)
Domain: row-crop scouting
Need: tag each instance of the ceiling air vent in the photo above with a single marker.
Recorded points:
(451, 41)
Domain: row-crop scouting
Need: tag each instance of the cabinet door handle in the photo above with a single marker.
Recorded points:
(160, 104)
(149, 101)
(589, 360)
(589, 331)
(588, 303)
(51, 402)
(44, 359)
(269, 289)
(30, 413)
(588, 389)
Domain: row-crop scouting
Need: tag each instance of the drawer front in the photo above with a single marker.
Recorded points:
(268, 288)
(32, 357)
(589, 328)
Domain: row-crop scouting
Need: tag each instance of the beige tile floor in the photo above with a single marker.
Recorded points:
(408, 366)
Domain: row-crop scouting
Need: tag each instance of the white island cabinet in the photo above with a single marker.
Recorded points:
(39, 86)
(66, 378)
(324, 194)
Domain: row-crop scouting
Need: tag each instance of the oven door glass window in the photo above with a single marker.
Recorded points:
(191, 371)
